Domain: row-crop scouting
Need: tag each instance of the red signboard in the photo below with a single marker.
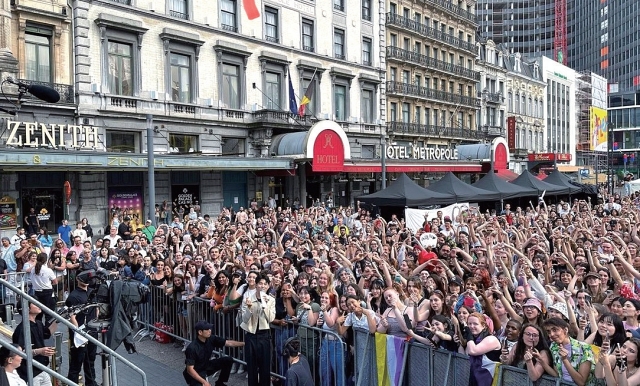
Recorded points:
(511, 132)
(565, 157)
(500, 157)
(328, 152)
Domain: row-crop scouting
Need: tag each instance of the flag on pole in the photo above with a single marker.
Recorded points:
(293, 105)
(307, 96)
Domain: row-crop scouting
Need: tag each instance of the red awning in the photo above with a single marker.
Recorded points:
(405, 168)
(506, 174)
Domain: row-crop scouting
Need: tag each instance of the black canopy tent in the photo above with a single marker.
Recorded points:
(558, 178)
(460, 191)
(528, 180)
(404, 192)
(506, 190)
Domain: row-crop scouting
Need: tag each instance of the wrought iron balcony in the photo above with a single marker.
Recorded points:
(178, 14)
(412, 25)
(272, 39)
(231, 28)
(491, 97)
(66, 92)
(279, 117)
(338, 7)
(433, 63)
(448, 6)
(491, 131)
(127, 2)
(433, 131)
(428, 93)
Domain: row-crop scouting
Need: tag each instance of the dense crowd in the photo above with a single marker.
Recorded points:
(553, 289)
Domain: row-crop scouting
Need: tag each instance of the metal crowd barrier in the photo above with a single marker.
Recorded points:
(164, 314)
(425, 366)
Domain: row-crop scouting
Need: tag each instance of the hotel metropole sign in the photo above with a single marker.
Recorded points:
(422, 153)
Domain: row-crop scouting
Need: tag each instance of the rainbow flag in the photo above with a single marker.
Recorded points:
(389, 358)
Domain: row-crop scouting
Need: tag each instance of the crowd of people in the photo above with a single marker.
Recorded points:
(552, 289)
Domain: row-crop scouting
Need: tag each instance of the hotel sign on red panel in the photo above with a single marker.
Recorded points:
(511, 132)
(550, 157)
(328, 152)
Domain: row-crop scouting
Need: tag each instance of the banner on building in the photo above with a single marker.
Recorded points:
(511, 133)
(127, 201)
(185, 197)
(598, 129)
(8, 213)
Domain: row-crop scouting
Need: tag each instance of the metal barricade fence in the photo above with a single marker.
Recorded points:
(365, 369)
(325, 350)
(514, 376)
(10, 301)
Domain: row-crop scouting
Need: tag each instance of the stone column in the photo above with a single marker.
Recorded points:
(8, 62)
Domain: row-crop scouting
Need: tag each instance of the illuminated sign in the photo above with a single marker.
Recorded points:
(565, 157)
(33, 134)
(421, 153)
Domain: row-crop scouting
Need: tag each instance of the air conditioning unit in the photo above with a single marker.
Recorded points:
(153, 95)
(96, 88)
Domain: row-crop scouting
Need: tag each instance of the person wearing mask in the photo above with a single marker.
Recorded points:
(258, 310)
(199, 365)
(41, 353)
(84, 356)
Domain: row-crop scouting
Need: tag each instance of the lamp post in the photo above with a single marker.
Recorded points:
(383, 158)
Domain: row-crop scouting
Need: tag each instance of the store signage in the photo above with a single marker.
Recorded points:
(550, 157)
(328, 152)
(132, 161)
(8, 213)
(511, 132)
(421, 153)
(34, 134)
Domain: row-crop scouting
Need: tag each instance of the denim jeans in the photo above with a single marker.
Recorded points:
(332, 362)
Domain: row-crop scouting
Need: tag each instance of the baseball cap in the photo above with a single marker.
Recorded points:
(203, 325)
(310, 263)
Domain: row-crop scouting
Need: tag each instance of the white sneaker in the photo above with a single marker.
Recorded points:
(241, 369)
(184, 347)
(234, 368)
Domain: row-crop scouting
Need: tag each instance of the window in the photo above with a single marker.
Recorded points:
(121, 65)
(338, 5)
(272, 90)
(393, 40)
(306, 78)
(406, 74)
(180, 78)
(406, 44)
(368, 106)
(184, 143)
(228, 15)
(393, 112)
(393, 71)
(366, 10)
(121, 141)
(271, 31)
(393, 8)
(307, 35)
(406, 108)
(418, 115)
(366, 51)
(38, 53)
(120, 68)
(340, 102)
(427, 116)
(179, 8)
(231, 85)
(368, 151)
(338, 43)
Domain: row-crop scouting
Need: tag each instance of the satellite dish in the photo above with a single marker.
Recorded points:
(428, 240)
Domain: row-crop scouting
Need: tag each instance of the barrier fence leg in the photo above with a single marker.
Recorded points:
(404, 363)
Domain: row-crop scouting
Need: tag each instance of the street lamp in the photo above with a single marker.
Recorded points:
(383, 159)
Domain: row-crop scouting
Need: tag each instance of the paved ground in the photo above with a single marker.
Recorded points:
(162, 363)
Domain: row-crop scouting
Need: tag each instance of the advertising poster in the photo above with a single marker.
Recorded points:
(184, 197)
(128, 201)
(598, 129)
(8, 213)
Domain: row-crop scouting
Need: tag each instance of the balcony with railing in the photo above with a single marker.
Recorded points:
(428, 93)
(339, 6)
(231, 28)
(179, 15)
(280, 118)
(429, 62)
(272, 39)
(491, 97)
(412, 25)
(492, 131)
(126, 2)
(434, 131)
(448, 6)
(66, 91)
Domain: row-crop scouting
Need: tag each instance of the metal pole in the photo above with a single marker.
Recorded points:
(152, 176)
(383, 141)
(26, 331)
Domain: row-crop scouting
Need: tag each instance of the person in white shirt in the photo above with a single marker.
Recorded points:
(113, 236)
(11, 361)
(358, 318)
(258, 311)
(15, 239)
(80, 232)
(43, 279)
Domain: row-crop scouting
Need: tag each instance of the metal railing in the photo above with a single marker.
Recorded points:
(433, 130)
(430, 32)
(25, 300)
(429, 62)
(66, 92)
(448, 6)
(166, 316)
(394, 87)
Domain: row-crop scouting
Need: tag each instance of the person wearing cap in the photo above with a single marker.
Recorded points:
(199, 365)
(83, 357)
(532, 308)
(258, 310)
(594, 287)
(149, 230)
